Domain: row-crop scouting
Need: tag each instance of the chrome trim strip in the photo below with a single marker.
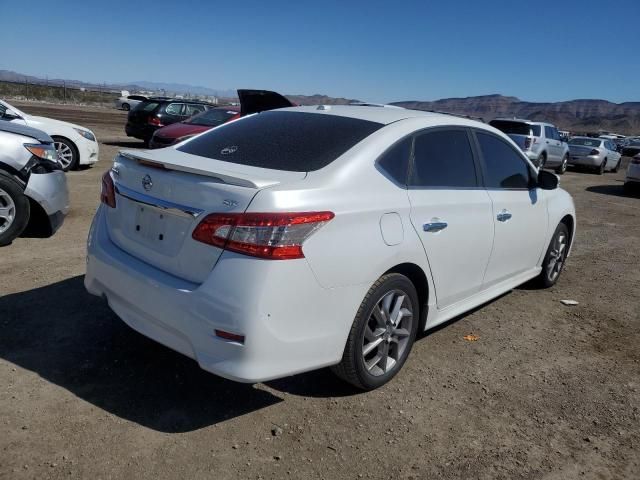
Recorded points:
(175, 208)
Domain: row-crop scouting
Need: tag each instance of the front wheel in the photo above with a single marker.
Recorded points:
(563, 166)
(382, 333)
(554, 260)
(67, 153)
(617, 167)
(14, 210)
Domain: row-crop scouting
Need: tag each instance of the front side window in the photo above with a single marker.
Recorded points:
(504, 167)
(443, 158)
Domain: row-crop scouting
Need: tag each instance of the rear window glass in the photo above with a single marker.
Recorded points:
(291, 141)
(586, 142)
(514, 128)
(147, 106)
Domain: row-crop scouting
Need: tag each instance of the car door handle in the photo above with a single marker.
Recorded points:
(434, 226)
(504, 215)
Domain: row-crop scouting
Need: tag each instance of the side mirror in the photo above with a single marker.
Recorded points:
(547, 180)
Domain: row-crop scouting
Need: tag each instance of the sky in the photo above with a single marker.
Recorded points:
(378, 51)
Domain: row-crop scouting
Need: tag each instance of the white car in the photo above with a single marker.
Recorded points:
(75, 145)
(599, 154)
(305, 237)
(129, 102)
(632, 179)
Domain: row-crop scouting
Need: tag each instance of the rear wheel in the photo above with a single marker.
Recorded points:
(563, 166)
(617, 167)
(14, 210)
(542, 159)
(600, 170)
(553, 262)
(126, 107)
(382, 333)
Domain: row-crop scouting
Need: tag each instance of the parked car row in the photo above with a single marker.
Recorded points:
(128, 102)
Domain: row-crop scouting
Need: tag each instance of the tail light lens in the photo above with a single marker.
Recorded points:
(594, 152)
(108, 191)
(527, 143)
(155, 121)
(274, 236)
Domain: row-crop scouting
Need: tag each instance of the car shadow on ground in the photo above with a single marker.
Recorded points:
(615, 190)
(73, 340)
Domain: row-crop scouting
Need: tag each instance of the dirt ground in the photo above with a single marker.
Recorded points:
(546, 392)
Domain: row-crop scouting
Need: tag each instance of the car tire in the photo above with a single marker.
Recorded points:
(600, 170)
(555, 257)
(14, 210)
(126, 107)
(67, 153)
(617, 167)
(542, 159)
(382, 334)
(563, 166)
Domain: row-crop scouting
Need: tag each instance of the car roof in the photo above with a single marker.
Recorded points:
(180, 100)
(18, 129)
(380, 114)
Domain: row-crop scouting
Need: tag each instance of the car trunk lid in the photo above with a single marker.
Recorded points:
(580, 150)
(161, 197)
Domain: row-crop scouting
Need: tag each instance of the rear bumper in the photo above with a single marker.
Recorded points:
(291, 324)
(585, 160)
(143, 132)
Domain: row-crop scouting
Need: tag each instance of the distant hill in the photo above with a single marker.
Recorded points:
(318, 99)
(574, 115)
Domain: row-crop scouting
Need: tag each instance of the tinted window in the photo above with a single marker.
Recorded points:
(147, 106)
(443, 159)
(292, 141)
(504, 167)
(212, 118)
(395, 161)
(511, 127)
(535, 130)
(174, 109)
(586, 142)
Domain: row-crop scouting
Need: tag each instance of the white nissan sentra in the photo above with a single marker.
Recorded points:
(306, 237)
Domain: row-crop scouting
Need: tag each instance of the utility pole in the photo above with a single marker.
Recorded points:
(64, 91)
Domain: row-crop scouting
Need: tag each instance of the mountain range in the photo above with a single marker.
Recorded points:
(584, 115)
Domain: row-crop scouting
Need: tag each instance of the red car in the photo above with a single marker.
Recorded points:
(251, 101)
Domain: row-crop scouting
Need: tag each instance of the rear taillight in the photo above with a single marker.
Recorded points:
(155, 121)
(527, 143)
(594, 152)
(108, 190)
(275, 236)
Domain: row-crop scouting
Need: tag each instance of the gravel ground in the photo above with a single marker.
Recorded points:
(547, 391)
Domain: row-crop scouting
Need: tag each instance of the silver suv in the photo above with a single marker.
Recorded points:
(540, 141)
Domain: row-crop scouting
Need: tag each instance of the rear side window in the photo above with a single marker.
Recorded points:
(443, 159)
(174, 109)
(193, 108)
(504, 167)
(535, 130)
(395, 161)
(548, 132)
(511, 127)
(291, 141)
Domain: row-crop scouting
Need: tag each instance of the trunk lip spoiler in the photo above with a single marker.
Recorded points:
(171, 207)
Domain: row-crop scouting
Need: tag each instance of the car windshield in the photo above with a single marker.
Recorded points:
(212, 118)
(585, 142)
(290, 141)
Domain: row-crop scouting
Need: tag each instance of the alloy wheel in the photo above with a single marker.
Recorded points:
(65, 154)
(387, 332)
(7, 211)
(557, 256)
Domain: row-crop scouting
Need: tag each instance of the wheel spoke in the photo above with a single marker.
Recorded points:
(379, 316)
(384, 353)
(401, 333)
(369, 347)
(396, 309)
(373, 362)
(386, 305)
(5, 212)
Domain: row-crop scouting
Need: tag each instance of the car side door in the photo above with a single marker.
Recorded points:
(450, 211)
(519, 209)
(552, 145)
(173, 112)
(612, 155)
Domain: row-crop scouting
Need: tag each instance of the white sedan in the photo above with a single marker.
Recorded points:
(599, 154)
(75, 145)
(306, 237)
(129, 102)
